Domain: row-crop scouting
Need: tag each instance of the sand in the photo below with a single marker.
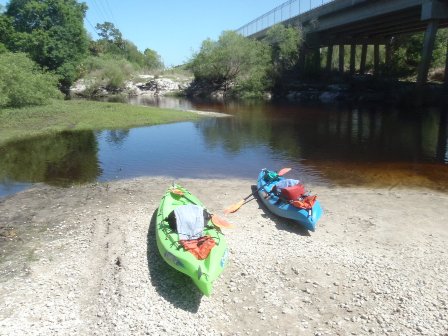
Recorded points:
(83, 261)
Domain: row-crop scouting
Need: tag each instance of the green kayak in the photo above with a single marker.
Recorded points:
(172, 249)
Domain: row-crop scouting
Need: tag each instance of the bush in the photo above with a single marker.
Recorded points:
(234, 64)
(22, 83)
(106, 71)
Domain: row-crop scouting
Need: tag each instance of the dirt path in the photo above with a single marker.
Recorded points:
(83, 261)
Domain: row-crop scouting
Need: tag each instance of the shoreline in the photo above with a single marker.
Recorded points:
(82, 115)
(84, 261)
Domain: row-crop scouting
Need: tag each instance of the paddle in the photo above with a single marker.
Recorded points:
(216, 220)
(236, 206)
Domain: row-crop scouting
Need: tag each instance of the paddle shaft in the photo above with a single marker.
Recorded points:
(236, 206)
(258, 189)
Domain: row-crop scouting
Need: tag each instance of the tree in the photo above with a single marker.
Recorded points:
(107, 31)
(52, 32)
(284, 43)
(407, 51)
(112, 42)
(233, 63)
(6, 29)
(153, 61)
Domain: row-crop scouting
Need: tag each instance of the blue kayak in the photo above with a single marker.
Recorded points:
(282, 207)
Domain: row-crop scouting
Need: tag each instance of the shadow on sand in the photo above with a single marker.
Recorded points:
(172, 285)
(281, 223)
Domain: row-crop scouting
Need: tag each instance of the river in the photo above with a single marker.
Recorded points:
(333, 144)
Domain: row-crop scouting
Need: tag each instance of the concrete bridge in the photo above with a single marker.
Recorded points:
(357, 22)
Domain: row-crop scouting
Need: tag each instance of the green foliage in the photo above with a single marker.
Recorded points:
(107, 71)
(152, 60)
(22, 83)
(51, 32)
(233, 63)
(108, 32)
(247, 67)
(407, 52)
(60, 157)
(112, 43)
(440, 48)
(6, 28)
(284, 43)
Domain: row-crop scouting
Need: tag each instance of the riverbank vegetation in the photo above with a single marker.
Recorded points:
(23, 83)
(51, 34)
(273, 63)
(244, 67)
(63, 115)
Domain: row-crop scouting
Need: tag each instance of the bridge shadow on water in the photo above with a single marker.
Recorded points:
(284, 224)
(172, 285)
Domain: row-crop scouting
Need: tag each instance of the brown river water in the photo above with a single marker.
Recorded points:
(332, 144)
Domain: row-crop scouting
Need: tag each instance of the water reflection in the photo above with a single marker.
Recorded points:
(117, 137)
(337, 133)
(56, 159)
(176, 103)
(325, 144)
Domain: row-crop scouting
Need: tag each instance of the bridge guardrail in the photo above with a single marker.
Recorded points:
(285, 11)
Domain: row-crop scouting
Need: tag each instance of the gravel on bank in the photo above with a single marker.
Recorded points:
(83, 261)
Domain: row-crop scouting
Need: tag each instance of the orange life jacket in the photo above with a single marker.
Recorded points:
(306, 202)
(200, 247)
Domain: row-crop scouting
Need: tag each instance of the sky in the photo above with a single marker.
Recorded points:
(175, 29)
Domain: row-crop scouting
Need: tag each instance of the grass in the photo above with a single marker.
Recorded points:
(61, 115)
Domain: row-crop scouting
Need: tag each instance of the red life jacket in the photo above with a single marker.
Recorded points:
(293, 192)
(200, 247)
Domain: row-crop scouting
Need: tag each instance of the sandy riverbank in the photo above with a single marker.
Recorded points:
(83, 261)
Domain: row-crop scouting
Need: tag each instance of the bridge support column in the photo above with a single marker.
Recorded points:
(329, 57)
(428, 46)
(302, 58)
(316, 59)
(446, 68)
(341, 58)
(388, 60)
(362, 66)
(376, 59)
(352, 59)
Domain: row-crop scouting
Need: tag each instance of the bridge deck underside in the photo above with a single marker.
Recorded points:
(377, 29)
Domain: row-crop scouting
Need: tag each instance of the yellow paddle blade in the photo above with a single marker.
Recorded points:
(233, 207)
(220, 222)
